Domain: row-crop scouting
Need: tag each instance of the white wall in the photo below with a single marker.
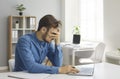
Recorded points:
(112, 24)
(36, 8)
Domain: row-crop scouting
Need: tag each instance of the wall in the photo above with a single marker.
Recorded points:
(70, 14)
(37, 8)
(112, 24)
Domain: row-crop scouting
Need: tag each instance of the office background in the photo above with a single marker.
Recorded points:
(36, 8)
(39, 8)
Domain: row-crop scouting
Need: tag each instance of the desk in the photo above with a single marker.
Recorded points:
(83, 50)
(23, 75)
(107, 71)
(102, 71)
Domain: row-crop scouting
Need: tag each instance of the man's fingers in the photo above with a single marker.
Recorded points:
(74, 69)
(54, 35)
(73, 72)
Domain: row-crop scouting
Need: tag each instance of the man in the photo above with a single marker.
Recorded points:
(32, 49)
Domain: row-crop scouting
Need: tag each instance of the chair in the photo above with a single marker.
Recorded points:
(11, 64)
(97, 55)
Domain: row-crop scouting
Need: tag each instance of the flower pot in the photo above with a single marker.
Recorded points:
(20, 13)
(76, 39)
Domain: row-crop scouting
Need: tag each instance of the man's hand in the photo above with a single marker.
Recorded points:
(68, 69)
(56, 36)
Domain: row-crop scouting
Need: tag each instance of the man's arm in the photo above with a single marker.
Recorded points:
(25, 54)
(55, 55)
(55, 52)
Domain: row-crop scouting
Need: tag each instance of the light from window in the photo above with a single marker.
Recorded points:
(91, 20)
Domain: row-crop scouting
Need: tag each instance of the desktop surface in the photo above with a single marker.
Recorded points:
(102, 71)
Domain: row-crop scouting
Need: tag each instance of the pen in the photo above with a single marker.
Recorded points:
(16, 77)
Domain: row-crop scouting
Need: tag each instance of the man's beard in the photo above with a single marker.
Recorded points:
(45, 36)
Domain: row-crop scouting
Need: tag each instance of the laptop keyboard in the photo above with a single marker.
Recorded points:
(85, 71)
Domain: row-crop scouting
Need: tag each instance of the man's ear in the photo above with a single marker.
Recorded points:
(44, 29)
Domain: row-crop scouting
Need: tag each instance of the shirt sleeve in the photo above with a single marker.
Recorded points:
(23, 49)
(55, 55)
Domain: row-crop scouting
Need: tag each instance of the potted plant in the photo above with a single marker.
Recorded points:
(20, 8)
(118, 49)
(76, 35)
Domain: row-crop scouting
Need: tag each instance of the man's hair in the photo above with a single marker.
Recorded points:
(48, 21)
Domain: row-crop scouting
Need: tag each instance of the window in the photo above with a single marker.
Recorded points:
(88, 14)
(91, 19)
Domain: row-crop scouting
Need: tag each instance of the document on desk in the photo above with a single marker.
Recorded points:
(22, 75)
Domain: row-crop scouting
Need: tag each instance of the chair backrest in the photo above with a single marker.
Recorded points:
(11, 64)
(99, 52)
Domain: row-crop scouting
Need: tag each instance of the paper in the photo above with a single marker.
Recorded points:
(24, 75)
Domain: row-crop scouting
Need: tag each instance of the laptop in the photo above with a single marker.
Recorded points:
(85, 70)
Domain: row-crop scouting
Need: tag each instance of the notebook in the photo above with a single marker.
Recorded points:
(85, 70)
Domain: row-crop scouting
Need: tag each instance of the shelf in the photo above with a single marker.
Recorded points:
(14, 42)
(13, 55)
(23, 16)
(23, 29)
(19, 26)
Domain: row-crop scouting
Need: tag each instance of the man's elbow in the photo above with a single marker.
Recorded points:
(32, 69)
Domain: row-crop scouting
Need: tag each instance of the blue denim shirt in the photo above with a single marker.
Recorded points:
(31, 52)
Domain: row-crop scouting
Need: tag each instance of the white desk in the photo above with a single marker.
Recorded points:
(23, 75)
(102, 71)
(107, 71)
(83, 50)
